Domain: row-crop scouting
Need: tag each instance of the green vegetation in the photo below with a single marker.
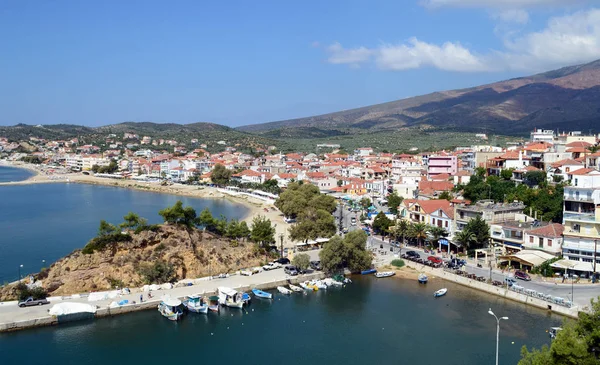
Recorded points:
(349, 252)
(262, 231)
(418, 231)
(301, 261)
(398, 263)
(394, 201)
(99, 243)
(464, 238)
(106, 228)
(576, 344)
(133, 221)
(381, 223)
(109, 169)
(36, 160)
(544, 268)
(24, 292)
(158, 272)
(177, 214)
(269, 186)
(436, 233)
(220, 175)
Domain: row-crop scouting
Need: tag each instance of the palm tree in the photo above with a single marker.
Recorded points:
(437, 233)
(418, 231)
(465, 238)
(402, 228)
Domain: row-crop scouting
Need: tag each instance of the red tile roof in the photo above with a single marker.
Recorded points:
(579, 144)
(566, 162)
(583, 171)
(554, 230)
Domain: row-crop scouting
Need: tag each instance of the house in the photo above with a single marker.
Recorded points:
(562, 168)
(362, 152)
(442, 163)
(434, 188)
(547, 238)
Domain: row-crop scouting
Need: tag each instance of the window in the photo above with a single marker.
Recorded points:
(446, 224)
(541, 242)
(549, 243)
(530, 239)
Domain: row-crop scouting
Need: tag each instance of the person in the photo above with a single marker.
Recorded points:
(141, 298)
(149, 295)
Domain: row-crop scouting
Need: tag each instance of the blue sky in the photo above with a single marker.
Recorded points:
(242, 62)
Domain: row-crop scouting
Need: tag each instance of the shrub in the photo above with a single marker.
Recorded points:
(153, 228)
(160, 247)
(398, 263)
(159, 272)
(544, 268)
(101, 242)
(115, 283)
(25, 292)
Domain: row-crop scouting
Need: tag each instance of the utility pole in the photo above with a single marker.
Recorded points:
(595, 248)
(281, 243)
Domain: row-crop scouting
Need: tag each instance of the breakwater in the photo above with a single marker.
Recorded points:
(495, 290)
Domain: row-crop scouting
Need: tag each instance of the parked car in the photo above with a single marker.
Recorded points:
(246, 272)
(344, 230)
(282, 261)
(434, 259)
(31, 302)
(522, 275)
(316, 265)
(291, 270)
(271, 266)
(509, 280)
(412, 254)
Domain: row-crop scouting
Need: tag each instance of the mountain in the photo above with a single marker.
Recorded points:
(567, 98)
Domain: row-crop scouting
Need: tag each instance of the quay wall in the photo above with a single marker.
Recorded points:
(495, 290)
(106, 311)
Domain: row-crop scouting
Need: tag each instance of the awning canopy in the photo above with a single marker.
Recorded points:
(529, 257)
(566, 264)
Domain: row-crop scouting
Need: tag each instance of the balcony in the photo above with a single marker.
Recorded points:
(583, 217)
(579, 198)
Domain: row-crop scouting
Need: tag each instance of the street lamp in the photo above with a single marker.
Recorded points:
(497, 331)
(20, 267)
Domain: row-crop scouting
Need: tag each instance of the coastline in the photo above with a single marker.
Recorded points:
(255, 206)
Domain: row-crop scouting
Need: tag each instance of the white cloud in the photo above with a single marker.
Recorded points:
(566, 40)
(519, 16)
(511, 4)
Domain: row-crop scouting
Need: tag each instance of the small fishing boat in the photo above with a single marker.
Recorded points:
(295, 288)
(246, 298)
(195, 304)
(331, 282)
(422, 279)
(213, 303)
(385, 274)
(368, 272)
(440, 292)
(341, 279)
(262, 294)
(319, 284)
(170, 308)
(554, 331)
(230, 297)
(284, 290)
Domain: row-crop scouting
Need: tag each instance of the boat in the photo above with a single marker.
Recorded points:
(341, 279)
(320, 284)
(331, 282)
(368, 272)
(230, 297)
(284, 290)
(554, 331)
(440, 292)
(170, 308)
(385, 274)
(295, 288)
(262, 294)
(195, 304)
(246, 298)
(213, 303)
(308, 286)
(422, 279)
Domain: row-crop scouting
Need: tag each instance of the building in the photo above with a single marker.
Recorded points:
(542, 135)
(488, 210)
(548, 239)
(442, 164)
(581, 217)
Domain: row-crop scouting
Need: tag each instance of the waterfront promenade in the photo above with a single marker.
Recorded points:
(14, 318)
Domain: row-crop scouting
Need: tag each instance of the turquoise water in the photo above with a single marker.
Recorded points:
(48, 221)
(385, 321)
(14, 174)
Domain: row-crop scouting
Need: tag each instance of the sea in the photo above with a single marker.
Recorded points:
(371, 321)
(14, 174)
(374, 321)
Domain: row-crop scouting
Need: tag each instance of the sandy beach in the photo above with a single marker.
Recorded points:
(256, 207)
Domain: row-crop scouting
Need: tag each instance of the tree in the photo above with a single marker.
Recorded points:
(534, 178)
(506, 174)
(340, 183)
(220, 175)
(177, 214)
(298, 197)
(262, 232)
(445, 195)
(401, 229)
(243, 230)
(437, 233)
(313, 224)
(106, 228)
(381, 223)
(301, 261)
(418, 231)
(365, 203)
(349, 251)
(206, 220)
(158, 272)
(132, 221)
(480, 229)
(394, 201)
(333, 255)
(465, 238)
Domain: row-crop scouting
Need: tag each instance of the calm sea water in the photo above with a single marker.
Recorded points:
(14, 174)
(386, 321)
(48, 221)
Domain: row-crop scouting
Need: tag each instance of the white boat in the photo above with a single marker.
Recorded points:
(170, 308)
(307, 286)
(385, 274)
(319, 284)
(331, 282)
(195, 303)
(440, 292)
(422, 278)
(284, 290)
(230, 297)
(295, 288)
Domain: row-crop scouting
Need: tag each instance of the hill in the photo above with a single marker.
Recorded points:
(566, 98)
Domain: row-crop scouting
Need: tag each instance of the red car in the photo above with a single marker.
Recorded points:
(522, 275)
(435, 260)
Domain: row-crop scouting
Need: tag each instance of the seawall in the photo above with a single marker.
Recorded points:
(495, 290)
(38, 320)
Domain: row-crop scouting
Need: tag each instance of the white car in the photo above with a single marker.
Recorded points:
(256, 270)
(271, 266)
(246, 272)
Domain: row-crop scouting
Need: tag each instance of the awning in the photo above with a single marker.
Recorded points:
(443, 242)
(529, 257)
(566, 264)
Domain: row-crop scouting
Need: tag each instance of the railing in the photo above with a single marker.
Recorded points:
(580, 198)
(586, 217)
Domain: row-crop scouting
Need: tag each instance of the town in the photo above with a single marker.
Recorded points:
(437, 192)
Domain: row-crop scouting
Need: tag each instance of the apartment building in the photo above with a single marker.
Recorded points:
(442, 164)
(488, 210)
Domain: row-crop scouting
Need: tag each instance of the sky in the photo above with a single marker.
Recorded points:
(244, 62)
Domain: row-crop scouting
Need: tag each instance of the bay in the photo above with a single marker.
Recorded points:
(44, 222)
(14, 174)
(385, 321)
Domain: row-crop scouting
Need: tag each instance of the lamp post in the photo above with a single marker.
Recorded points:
(20, 267)
(497, 331)
(43, 264)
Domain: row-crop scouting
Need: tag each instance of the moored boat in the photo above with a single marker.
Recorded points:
(230, 297)
(262, 294)
(368, 272)
(170, 308)
(284, 290)
(319, 284)
(331, 282)
(295, 288)
(422, 279)
(246, 298)
(385, 274)
(440, 292)
(213, 303)
(195, 304)
(554, 331)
